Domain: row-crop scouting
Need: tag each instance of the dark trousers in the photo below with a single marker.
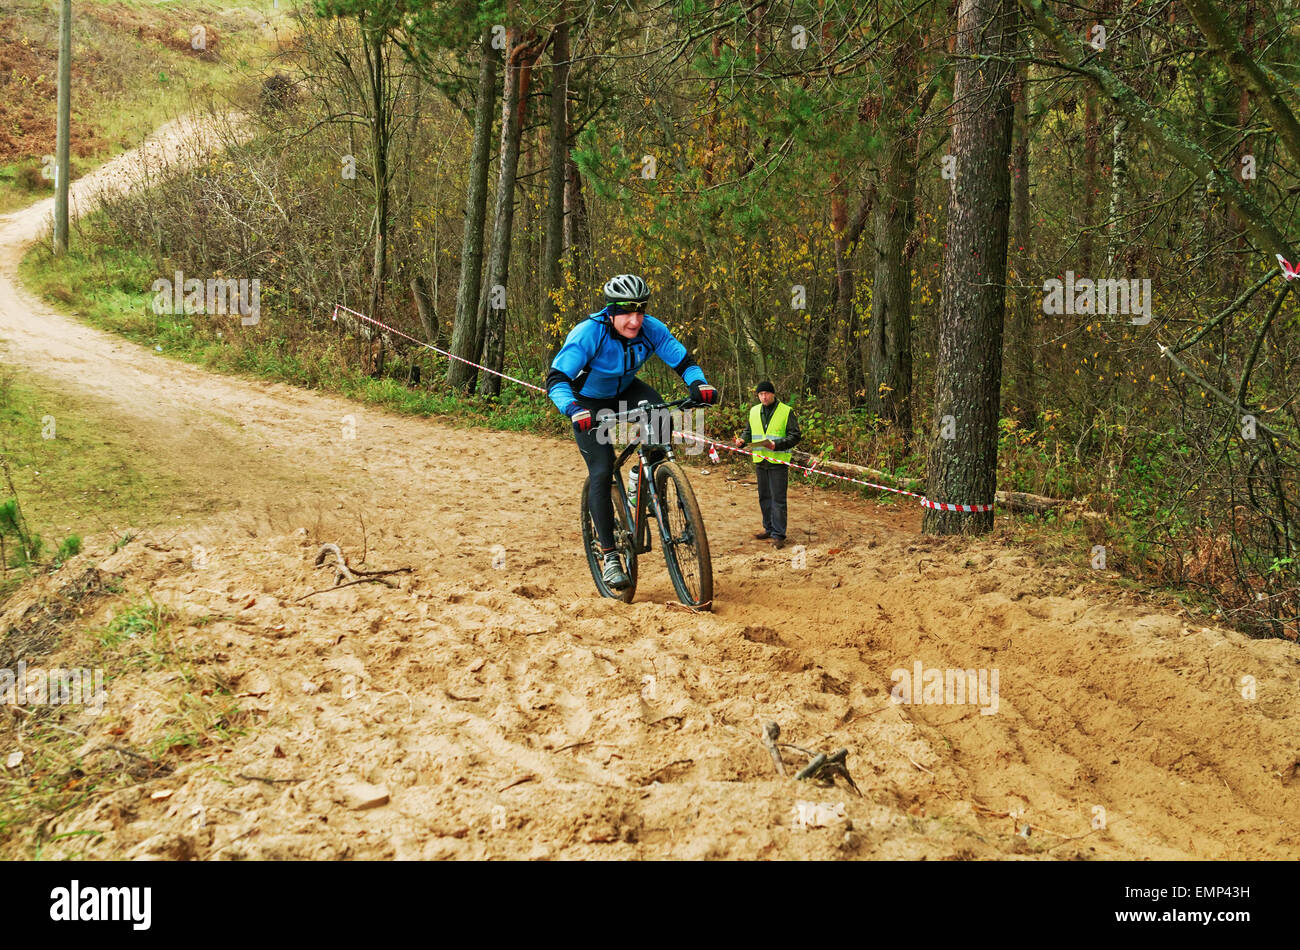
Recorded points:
(772, 482)
(597, 448)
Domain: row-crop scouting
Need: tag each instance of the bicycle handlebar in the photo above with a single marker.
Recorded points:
(646, 407)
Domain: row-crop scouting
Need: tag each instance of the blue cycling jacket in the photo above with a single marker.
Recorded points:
(598, 362)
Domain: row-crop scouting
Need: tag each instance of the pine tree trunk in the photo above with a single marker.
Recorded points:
(846, 316)
(819, 339)
(1237, 268)
(824, 319)
(821, 323)
(464, 339)
(575, 219)
(424, 308)
(1024, 407)
(1118, 185)
(373, 48)
(521, 54)
(890, 341)
(1091, 135)
(1093, 388)
(968, 370)
(711, 118)
(559, 157)
(1118, 168)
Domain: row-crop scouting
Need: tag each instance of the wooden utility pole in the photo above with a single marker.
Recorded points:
(62, 171)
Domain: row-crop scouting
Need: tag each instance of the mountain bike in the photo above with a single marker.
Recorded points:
(664, 494)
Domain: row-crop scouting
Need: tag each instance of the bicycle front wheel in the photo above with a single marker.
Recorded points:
(686, 546)
(622, 543)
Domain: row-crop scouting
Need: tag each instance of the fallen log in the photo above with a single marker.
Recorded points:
(1036, 504)
(861, 471)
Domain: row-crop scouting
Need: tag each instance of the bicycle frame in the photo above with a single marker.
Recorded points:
(642, 447)
(638, 518)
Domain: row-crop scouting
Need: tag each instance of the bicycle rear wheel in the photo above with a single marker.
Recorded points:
(686, 547)
(622, 543)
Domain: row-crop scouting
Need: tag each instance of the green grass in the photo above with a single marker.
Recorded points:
(145, 618)
(73, 474)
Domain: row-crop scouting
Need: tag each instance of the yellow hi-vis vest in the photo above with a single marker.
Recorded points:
(775, 430)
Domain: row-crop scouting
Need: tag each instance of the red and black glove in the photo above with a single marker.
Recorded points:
(581, 417)
(702, 394)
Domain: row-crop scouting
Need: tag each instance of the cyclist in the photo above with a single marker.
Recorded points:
(595, 371)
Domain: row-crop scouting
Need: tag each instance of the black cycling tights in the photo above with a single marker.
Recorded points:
(598, 452)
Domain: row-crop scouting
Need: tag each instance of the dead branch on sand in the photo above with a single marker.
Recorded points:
(345, 575)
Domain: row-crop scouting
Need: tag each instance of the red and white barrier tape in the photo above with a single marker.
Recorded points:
(926, 502)
(384, 326)
(713, 446)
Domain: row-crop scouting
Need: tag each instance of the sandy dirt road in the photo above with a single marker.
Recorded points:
(493, 706)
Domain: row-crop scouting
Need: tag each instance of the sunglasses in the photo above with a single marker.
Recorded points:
(627, 306)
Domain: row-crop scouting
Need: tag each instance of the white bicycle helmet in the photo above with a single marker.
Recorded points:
(626, 287)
